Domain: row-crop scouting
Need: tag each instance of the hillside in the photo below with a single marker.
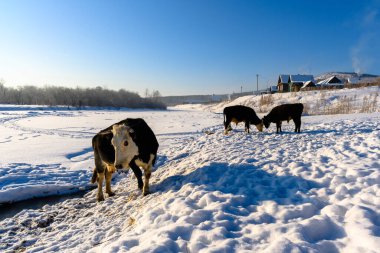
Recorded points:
(316, 102)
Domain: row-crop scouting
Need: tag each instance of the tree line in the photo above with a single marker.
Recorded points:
(77, 97)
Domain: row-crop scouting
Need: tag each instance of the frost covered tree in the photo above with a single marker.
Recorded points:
(78, 97)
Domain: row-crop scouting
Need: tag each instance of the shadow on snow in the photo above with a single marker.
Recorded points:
(254, 184)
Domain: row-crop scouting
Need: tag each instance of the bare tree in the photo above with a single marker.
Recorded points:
(156, 95)
(99, 96)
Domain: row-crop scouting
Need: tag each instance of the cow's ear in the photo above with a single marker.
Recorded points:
(129, 129)
(131, 132)
(114, 129)
(133, 136)
(109, 136)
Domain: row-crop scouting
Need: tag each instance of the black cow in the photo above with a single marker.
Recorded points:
(284, 112)
(128, 143)
(239, 113)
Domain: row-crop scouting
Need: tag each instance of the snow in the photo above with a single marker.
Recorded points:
(317, 191)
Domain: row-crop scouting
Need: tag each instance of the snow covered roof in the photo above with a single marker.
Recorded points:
(301, 78)
(308, 84)
(283, 79)
(333, 80)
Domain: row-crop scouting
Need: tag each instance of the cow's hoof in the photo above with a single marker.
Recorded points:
(100, 198)
(110, 194)
(146, 193)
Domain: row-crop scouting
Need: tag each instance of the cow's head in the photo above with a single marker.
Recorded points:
(266, 122)
(125, 147)
(260, 126)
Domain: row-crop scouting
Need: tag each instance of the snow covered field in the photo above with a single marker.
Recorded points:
(317, 191)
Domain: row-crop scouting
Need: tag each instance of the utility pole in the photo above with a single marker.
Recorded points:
(241, 89)
(257, 83)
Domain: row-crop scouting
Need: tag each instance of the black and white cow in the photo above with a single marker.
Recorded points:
(284, 112)
(128, 143)
(239, 113)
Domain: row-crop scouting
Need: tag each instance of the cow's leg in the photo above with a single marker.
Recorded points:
(278, 126)
(138, 174)
(297, 123)
(100, 196)
(227, 125)
(247, 126)
(147, 173)
(99, 170)
(108, 176)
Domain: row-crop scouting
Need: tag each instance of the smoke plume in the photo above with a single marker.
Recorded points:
(362, 53)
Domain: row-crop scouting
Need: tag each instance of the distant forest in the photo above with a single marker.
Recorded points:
(78, 97)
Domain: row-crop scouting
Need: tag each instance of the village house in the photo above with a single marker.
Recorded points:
(333, 82)
(283, 83)
(288, 83)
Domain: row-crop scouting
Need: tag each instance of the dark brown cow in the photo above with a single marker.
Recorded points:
(284, 112)
(128, 143)
(240, 113)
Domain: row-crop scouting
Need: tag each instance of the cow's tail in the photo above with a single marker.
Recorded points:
(94, 177)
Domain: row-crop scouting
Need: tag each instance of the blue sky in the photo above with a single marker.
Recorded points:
(183, 47)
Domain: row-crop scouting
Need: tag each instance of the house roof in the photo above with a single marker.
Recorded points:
(333, 80)
(283, 79)
(308, 83)
(301, 78)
